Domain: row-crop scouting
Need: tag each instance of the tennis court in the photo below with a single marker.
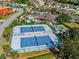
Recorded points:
(31, 29)
(26, 29)
(33, 38)
(37, 41)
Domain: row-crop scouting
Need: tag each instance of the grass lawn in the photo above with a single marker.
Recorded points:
(4, 17)
(72, 25)
(45, 56)
(1, 51)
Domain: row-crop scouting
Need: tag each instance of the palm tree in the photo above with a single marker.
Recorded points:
(14, 54)
(6, 49)
(2, 56)
(64, 17)
(46, 1)
(6, 33)
(53, 10)
(71, 46)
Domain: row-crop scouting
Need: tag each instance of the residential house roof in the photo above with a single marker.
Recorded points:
(47, 16)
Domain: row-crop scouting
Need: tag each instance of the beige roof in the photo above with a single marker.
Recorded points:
(34, 1)
(5, 0)
(49, 17)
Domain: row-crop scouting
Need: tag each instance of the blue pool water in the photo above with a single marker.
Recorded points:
(31, 29)
(36, 41)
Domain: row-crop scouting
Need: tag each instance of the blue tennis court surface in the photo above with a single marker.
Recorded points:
(45, 40)
(32, 29)
(38, 28)
(28, 38)
(28, 41)
(25, 29)
(37, 41)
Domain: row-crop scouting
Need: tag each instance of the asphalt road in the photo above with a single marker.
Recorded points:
(8, 21)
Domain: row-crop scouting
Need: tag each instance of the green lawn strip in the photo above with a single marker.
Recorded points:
(72, 25)
(45, 56)
(11, 33)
